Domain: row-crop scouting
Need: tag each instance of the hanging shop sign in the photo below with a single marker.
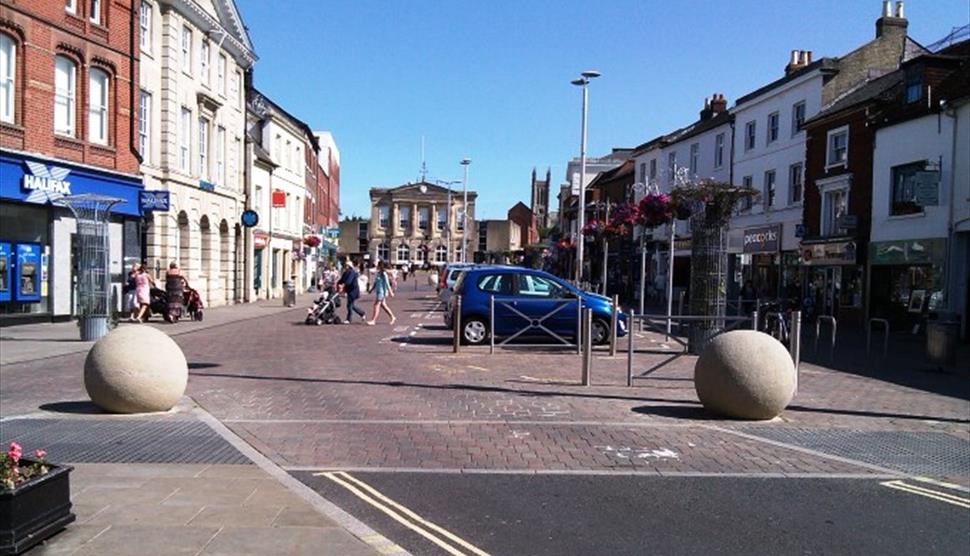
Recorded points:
(249, 218)
(153, 201)
(763, 239)
(260, 240)
(908, 252)
(279, 198)
(834, 253)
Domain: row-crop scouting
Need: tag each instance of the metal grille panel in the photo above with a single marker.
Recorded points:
(121, 441)
(918, 453)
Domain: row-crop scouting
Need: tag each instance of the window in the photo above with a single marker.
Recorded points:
(204, 62)
(144, 125)
(537, 286)
(749, 135)
(461, 219)
(185, 138)
(795, 183)
(835, 205)
(643, 172)
(420, 255)
(914, 86)
(277, 145)
(221, 75)
(383, 217)
(383, 252)
(424, 217)
(694, 156)
(797, 117)
(95, 13)
(404, 217)
(234, 162)
(98, 107)
(838, 147)
(221, 155)
(239, 88)
(403, 253)
(914, 186)
(719, 150)
(288, 153)
(671, 166)
(772, 127)
(203, 148)
(747, 202)
(65, 77)
(298, 159)
(441, 254)
(653, 169)
(186, 50)
(71, 6)
(769, 189)
(500, 284)
(145, 25)
(8, 73)
(442, 219)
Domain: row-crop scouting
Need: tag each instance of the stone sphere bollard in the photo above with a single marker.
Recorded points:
(135, 369)
(745, 374)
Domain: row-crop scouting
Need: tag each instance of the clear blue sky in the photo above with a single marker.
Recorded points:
(490, 79)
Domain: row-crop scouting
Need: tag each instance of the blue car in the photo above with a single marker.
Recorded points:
(530, 303)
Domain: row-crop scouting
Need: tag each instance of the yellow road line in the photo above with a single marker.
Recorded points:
(935, 495)
(348, 482)
(447, 534)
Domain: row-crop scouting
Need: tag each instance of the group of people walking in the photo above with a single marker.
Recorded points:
(382, 285)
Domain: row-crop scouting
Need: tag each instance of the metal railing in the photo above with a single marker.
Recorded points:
(534, 323)
(818, 330)
(586, 339)
(456, 323)
(885, 338)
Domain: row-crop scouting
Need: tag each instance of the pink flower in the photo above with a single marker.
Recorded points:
(15, 452)
(40, 454)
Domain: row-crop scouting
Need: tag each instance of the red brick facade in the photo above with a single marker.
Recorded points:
(44, 29)
(522, 216)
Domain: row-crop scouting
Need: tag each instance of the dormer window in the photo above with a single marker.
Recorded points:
(914, 87)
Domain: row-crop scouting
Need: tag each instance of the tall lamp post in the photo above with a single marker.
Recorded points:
(582, 82)
(447, 230)
(464, 210)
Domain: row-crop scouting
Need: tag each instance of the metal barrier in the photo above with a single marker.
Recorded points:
(780, 332)
(614, 320)
(885, 337)
(587, 343)
(795, 343)
(456, 322)
(818, 330)
(533, 323)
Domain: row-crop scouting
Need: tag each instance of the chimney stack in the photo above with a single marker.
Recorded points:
(718, 104)
(899, 9)
(889, 23)
(887, 9)
(798, 60)
(706, 112)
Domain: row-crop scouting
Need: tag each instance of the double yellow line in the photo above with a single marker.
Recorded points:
(935, 494)
(449, 542)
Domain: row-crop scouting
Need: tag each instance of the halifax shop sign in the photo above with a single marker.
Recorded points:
(41, 181)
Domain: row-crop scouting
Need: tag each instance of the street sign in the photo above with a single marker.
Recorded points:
(249, 218)
(279, 198)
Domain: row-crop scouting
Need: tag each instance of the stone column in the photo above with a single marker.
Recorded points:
(433, 221)
(415, 229)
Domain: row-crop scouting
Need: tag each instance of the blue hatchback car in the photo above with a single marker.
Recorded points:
(530, 303)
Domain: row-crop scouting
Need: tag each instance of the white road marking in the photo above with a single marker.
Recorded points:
(928, 493)
(626, 452)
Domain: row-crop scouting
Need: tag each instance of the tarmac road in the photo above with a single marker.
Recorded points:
(519, 514)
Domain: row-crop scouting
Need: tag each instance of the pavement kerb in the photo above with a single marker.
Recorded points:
(372, 538)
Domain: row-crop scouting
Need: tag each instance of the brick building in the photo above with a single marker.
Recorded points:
(68, 84)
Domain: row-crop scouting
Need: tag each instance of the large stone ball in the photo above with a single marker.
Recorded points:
(135, 369)
(745, 374)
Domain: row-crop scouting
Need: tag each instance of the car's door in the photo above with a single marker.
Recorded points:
(543, 301)
(500, 286)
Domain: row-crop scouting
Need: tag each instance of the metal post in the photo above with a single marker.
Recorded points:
(491, 324)
(614, 318)
(670, 277)
(579, 326)
(587, 346)
(629, 353)
(456, 319)
(885, 339)
(795, 342)
(581, 220)
(606, 255)
(464, 211)
(643, 268)
(754, 322)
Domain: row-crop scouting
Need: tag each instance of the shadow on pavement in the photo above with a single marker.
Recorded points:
(200, 365)
(691, 412)
(80, 407)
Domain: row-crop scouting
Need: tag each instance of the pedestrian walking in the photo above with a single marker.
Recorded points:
(143, 287)
(404, 271)
(382, 289)
(349, 285)
(131, 304)
(175, 286)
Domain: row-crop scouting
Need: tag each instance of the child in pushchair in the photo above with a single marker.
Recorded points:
(324, 309)
(193, 303)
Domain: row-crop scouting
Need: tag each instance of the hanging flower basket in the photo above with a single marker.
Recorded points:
(655, 209)
(715, 201)
(311, 241)
(593, 228)
(35, 499)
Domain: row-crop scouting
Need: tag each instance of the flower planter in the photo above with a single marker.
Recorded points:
(35, 510)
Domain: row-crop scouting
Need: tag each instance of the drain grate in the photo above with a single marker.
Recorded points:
(917, 453)
(121, 441)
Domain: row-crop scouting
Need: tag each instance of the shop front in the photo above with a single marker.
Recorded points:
(907, 279)
(834, 280)
(37, 262)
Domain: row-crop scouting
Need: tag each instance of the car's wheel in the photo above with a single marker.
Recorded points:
(474, 331)
(600, 332)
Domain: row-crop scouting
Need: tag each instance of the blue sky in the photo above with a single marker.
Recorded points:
(490, 79)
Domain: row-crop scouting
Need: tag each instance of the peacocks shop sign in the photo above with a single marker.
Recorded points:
(764, 239)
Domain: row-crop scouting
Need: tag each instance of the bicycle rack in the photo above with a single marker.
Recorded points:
(885, 337)
(818, 330)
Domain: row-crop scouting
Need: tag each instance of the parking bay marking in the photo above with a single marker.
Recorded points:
(409, 519)
(928, 493)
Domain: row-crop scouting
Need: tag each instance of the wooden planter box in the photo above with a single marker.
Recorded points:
(35, 510)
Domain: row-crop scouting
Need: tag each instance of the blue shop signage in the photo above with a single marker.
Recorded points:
(153, 201)
(41, 182)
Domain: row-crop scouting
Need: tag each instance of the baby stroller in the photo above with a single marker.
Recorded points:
(324, 309)
(193, 303)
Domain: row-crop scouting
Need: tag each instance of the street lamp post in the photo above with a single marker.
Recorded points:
(582, 82)
(464, 211)
(447, 230)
